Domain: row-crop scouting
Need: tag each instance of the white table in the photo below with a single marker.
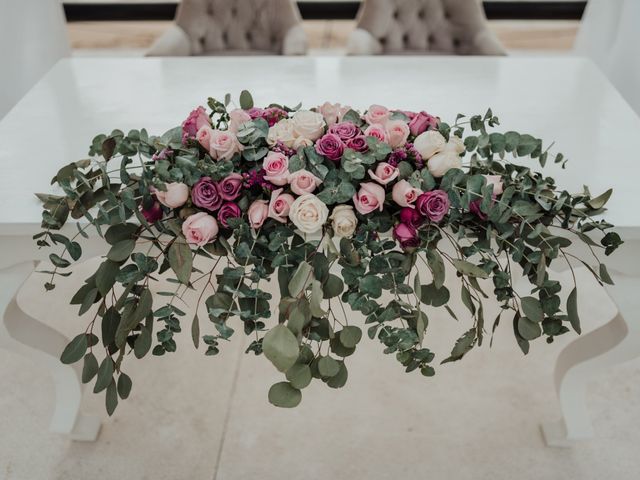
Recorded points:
(562, 99)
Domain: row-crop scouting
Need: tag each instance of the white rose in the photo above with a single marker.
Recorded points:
(282, 132)
(456, 144)
(301, 142)
(308, 124)
(429, 143)
(308, 213)
(344, 221)
(441, 162)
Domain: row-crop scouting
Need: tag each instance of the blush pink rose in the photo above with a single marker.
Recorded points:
(200, 229)
(384, 173)
(258, 213)
(397, 133)
(332, 112)
(370, 197)
(204, 136)
(421, 122)
(378, 131)
(377, 114)
(175, 196)
(302, 182)
(276, 168)
(224, 145)
(230, 186)
(279, 205)
(496, 181)
(237, 118)
(404, 194)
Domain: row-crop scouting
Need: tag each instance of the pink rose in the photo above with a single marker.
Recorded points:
(230, 186)
(369, 198)
(238, 117)
(204, 136)
(378, 131)
(345, 130)
(359, 143)
(258, 213)
(200, 229)
(434, 205)
(377, 114)
(384, 173)
(496, 181)
(397, 132)
(224, 145)
(406, 235)
(422, 122)
(404, 194)
(410, 216)
(194, 122)
(302, 182)
(332, 112)
(175, 196)
(276, 168)
(279, 205)
(330, 145)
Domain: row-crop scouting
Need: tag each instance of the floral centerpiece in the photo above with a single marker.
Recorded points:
(362, 210)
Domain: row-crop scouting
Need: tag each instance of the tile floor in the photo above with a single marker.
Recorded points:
(196, 417)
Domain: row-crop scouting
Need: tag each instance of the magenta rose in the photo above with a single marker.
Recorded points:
(196, 120)
(434, 205)
(474, 207)
(411, 217)
(406, 235)
(227, 211)
(230, 186)
(153, 213)
(273, 115)
(422, 122)
(345, 130)
(330, 146)
(255, 112)
(359, 143)
(206, 194)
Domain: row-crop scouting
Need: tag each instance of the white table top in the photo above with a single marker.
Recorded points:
(560, 98)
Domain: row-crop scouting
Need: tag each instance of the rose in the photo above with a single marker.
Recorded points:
(175, 196)
(308, 213)
(496, 181)
(227, 211)
(276, 168)
(282, 132)
(194, 122)
(455, 144)
(301, 142)
(406, 235)
(343, 221)
(359, 143)
(200, 228)
(378, 131)
(397, 133)
(344, 130)
(273, 115)
(421, 122)
(229, 186)
(330, 145)
(377, 114)
(384, 173)
(434, 205)
(255, 112)
(404, 194)
(206, 194)
(411, 216)
(370, 197)
(204, 136)
(258, 213)
(224, 145)
(237, 117)
(429, 143)
(153, 213)
(442, 162)
(308, 124)
(332, 112)
(280, 205)
(474, 207)
(302, 182)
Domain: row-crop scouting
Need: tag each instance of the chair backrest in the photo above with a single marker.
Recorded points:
(236, 25)
(456, 27)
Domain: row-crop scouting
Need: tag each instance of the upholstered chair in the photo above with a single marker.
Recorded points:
(233, 27)
(425, 27)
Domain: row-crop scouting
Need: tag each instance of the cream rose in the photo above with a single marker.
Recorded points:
(455, 144)
(308, 124)
(175, 196)
(343, 221)
(308, 213)
(429, 143)
(282, 132)
(332, 112)
(442, 162)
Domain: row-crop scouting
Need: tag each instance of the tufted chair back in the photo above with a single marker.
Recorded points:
(453, 27)
(219, 27)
